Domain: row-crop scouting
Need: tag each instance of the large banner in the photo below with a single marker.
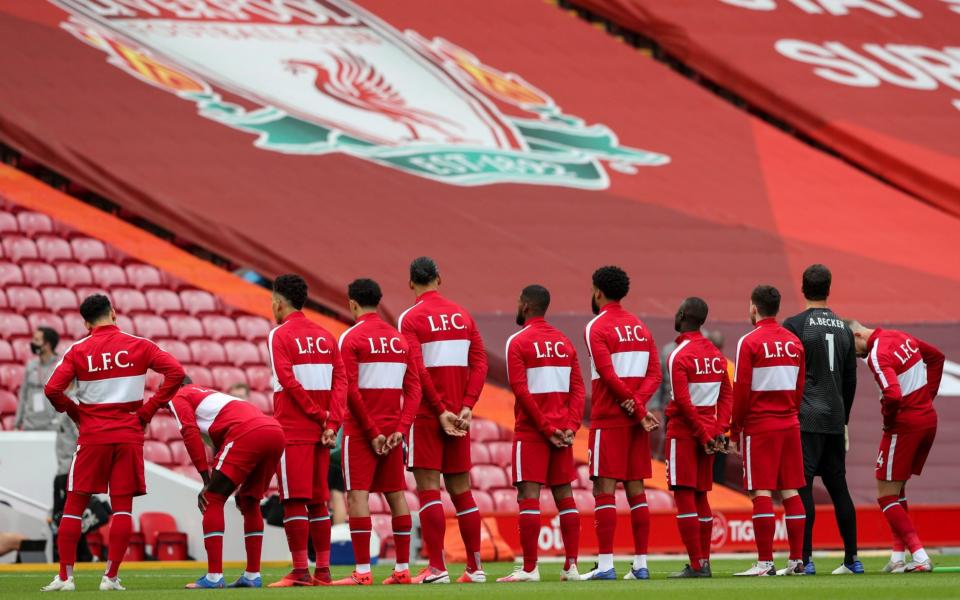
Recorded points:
(877, 81)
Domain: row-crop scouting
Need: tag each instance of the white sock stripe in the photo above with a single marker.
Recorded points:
(118, 513)
(468, 511)
(315, 519)
(71, 517)
(795, 517)
(687, 515)
(891, 505)
(706, 519)
(529, 512)
(213, 534)
(603, 506)
(428, 505)
(569, 511)
(764, 516)
(288, 519)
(253, 534)
(636, 506)
(401, 533)
(353, 531)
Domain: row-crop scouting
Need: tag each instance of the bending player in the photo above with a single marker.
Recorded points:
(309, 397)
(697, 419)
(544, 374)
(767, 391)
(109, 368)
(453, 365)
(626, 372)
(908, 372)
(248, 445)
(383, 395)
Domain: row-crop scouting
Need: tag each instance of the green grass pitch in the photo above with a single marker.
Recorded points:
(168, 584)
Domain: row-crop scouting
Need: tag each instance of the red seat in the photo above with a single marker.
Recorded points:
(74, 274)
(219, 327)
(143, 276)
(163, 301)
(260, 378)
(157, 452)
(449, 510)
(84, 292)
(207, 352)
(483, 430)
(200, 375)
(12, 325)
(8, 224)
(184, 327)
(253, 328)
(197, 302)
(179, 453)
(163, 539)
(59, 299)
(8, 403)
(108, 275)
(501, 453)
(224, 377)
(73, 323)
(154, 380)
(484, 502)
(150, 326)
(179, 350)
(33, 223)
(54, 249)
(24, 299)
(21, 349)
(660, 499)
(479, 454)
(584, 499)
(262, 401)
(88, 250)
(10, 274)
(413, 502)
(6, 352)
(125, 323)
(18, 249)
(505, 501)
(241, 353)
(39, 274)
(3, 299)
(163, 428)
(127, 300)
(485, 477)
(46, 319)
(583, 477)
(264, 353)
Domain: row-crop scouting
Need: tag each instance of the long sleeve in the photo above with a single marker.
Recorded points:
(742, 379)
(187, 420)
(724, 406)
(412, 392)
(650, 383)
(56, 387)
(284, 369)
(889, 387)
(164, 363)
(477, 359)
(577, 394)
(429, 393)
(849, 378)
(681, 399)
(358, 408)
(517, 375)
(338, 393)
(801, 380)
(934, 359)
(604, 365)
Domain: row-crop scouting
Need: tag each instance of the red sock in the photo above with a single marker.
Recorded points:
(320, 533)
(900, 523)
(569, 530)
(529, 531)
(252, 532)
(434, 526)
(401, 537)
(706, 524)
(688, 524)
(796, 518)
(213, 531)
(297, 528)
(605, 515)
(68, 535)
(121, 528)
(468, 517)
(640, 520)
(898, 545)
(763, 527)
(360, 528)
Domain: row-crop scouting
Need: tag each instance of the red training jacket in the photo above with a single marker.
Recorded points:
(383, 386)
(309, 386)
(451, 360)
(224, 418)
(624, 364)
(110, 369)
(544, 374)
(768, 379)
(908, 371)
(701, 396)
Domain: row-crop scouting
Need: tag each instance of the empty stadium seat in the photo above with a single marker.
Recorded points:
(6, 351)
(125, 323)
(584, 500)
(21, 349)
(449, 510)
(178, 451)
(199, 374)
(157, 452)
(46, 319)
(262, 401)
(253, 328)
(413, 501)
(143, 276)
(59, 299)
(377, 504)
(108, 275)
(17, 249)
(150, 326)
(242, 354)
(34, 223)
(479, 454)
(74, 274)
(505, 500)
(163, 428)
(54, 249)
(484, 502)
(219, 327)
(485, 477)
(10, 274)
(224, 377)
(198, 302)
(501, 453)
(583, 476)
(179, 350)
(88, 250)
(660, 499)
(38, 274)
(24, 299)
(154, 380)
(264, 353)
(260, 378)
(207, 352)
(128, 300)
(8, 403)
(11, 376)
(184, 327)
(164, 541)
(8, 224)
(7, 423)
(483, 430)
(135, 550)
(163, 302)
(73, 323)
(12, 325)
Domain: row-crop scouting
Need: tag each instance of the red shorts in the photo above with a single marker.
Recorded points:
(903, 454)
(428, 447)
(542, 462)
(621, 453)
(364, 470)
(688, 465)
(302, 474)
(251, 460)
(773, 460)
(97, 467)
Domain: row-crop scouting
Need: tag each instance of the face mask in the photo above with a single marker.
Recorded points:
(593, 305)
(35, 348)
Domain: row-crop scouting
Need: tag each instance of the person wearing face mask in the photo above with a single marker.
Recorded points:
(34, 413)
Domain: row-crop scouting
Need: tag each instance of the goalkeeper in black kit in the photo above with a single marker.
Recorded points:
(831, 382)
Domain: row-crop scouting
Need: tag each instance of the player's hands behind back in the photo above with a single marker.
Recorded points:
(448, 422)
(394, 441)
(559, 439)
(650, 422)
(379, 444)
(329, 438)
